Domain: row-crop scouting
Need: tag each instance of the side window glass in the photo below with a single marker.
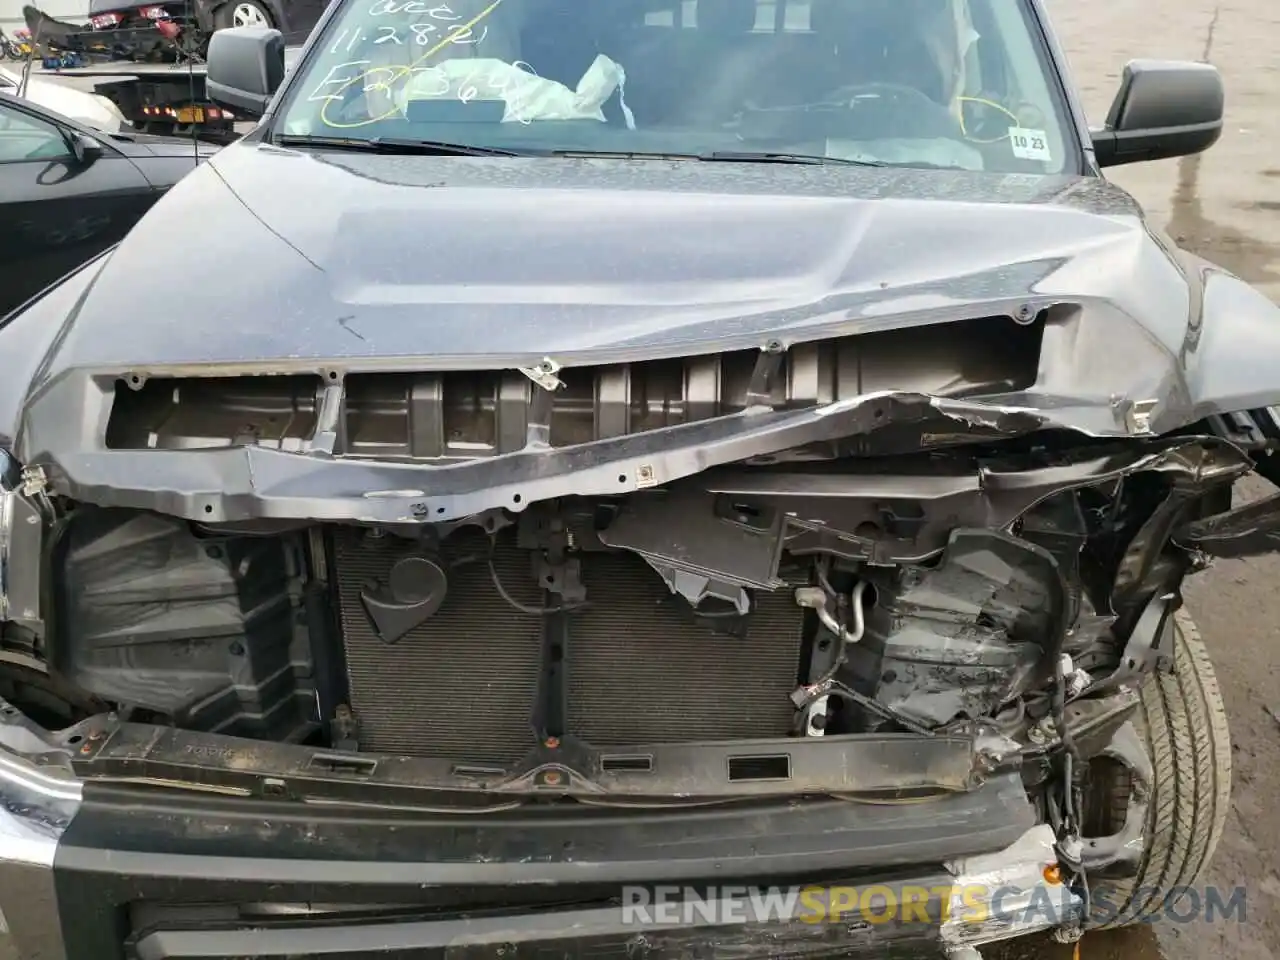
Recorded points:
(24, 137)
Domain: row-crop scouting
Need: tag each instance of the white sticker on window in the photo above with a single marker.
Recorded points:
(1029, 144)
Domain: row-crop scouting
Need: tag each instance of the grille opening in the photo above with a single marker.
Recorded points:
(765, 767)
(191, 413)
(464, 415)
(476, 771)
(345, 766)
(460, 415)
(627, 764)
(471, 415)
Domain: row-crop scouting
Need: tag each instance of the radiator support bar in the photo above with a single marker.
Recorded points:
(863, 764)
(551, 709)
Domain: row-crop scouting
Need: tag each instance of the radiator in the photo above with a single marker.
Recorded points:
(464, 684)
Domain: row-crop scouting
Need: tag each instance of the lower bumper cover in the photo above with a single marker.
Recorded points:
(89, 872)
(129, 39)
(935, 914)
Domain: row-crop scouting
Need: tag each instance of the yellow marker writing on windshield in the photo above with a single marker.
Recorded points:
(986, 103)
(395, 73)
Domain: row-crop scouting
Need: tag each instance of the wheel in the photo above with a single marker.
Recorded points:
(243, 13)
(1182, 722)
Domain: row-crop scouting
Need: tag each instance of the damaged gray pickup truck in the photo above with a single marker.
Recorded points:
(704, 446)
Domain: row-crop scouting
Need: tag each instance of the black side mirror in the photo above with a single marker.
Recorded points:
(84, 148)
(1165, 108)
(245, 67)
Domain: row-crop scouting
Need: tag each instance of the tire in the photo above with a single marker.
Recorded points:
(231, 14)
(1183, 723)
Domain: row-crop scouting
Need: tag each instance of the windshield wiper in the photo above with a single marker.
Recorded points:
(396, 145)
(748, 157)
(740, 156)
(756, 156)
(585, 154)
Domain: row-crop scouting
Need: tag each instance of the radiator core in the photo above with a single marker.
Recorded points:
(464, 684)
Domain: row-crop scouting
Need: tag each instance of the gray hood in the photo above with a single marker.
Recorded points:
(492, 261)
(348, 262)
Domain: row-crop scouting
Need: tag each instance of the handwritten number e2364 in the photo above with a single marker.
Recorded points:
(432, 82)
(333, 89)
(429, 81)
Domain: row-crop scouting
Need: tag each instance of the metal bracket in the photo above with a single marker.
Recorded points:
(346, 729)
(34, 482)
(1146, 650)
(1125, 848)
(544, 374)
(23, 515)
(562, 579)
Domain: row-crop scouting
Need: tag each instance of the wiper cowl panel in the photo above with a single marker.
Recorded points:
(395, 145)
(407, 146)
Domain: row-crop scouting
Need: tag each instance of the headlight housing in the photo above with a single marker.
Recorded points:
(21, 549)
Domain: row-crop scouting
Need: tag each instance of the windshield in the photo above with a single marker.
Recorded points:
(950, 83)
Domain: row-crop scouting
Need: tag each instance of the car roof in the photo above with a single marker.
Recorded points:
(26, 106)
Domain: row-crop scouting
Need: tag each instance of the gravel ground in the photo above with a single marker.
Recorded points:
(1222, 205)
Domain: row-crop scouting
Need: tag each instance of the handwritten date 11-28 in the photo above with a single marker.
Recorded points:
(415, 34)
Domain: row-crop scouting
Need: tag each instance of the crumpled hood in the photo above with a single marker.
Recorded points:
(285, 262)
(496, 261)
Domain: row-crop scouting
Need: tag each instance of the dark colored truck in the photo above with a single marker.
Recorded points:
(616, 461)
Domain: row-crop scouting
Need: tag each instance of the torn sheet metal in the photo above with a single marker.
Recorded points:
(218, 485)
(1244, 531)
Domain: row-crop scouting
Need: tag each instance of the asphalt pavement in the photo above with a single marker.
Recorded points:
(1224, 205)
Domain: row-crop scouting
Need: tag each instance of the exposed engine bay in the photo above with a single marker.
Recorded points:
(916, 593)
(805, 587)
(983, 588)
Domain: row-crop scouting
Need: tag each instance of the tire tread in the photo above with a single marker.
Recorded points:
(1184, 723)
